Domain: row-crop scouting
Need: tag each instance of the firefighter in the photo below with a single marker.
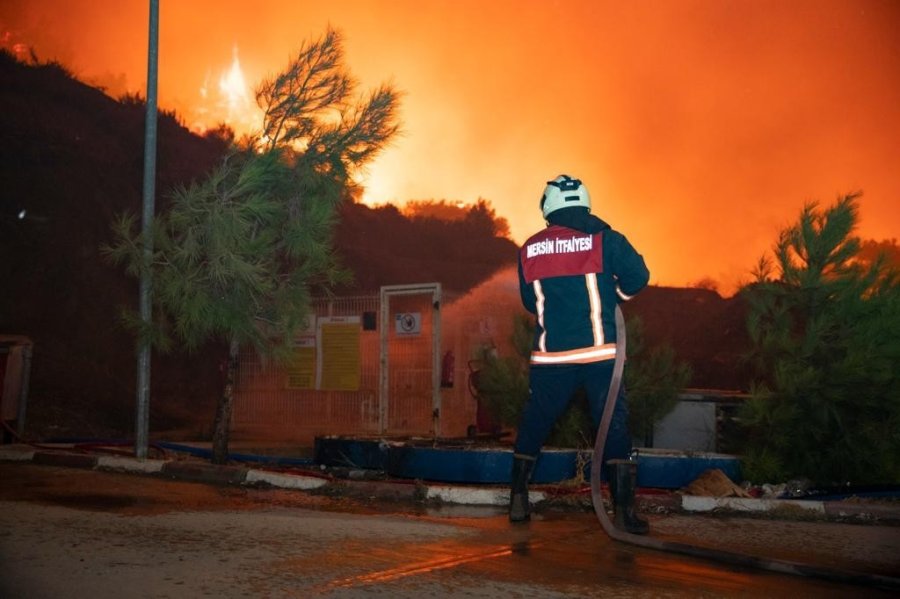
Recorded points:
(572, 273)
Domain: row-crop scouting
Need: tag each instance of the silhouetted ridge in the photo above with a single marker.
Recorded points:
(384, 247)
(71, 157)
(705, 330)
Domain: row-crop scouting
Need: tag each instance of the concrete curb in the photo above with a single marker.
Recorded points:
(285, 481)
(126, 464)
(846, 509)
(405, 490)
(371, 489)
(205, 473)
(15, 453)
(694, 503)
(65, 459)
(476, 495)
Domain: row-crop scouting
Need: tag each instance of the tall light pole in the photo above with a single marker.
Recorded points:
(142, 420)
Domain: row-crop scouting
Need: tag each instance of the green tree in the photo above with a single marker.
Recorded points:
(825, 328)
(502, 381)
(238, 256)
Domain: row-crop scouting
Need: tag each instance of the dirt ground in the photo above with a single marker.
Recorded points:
(66, 526)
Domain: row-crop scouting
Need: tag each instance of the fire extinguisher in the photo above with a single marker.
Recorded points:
(448, 365)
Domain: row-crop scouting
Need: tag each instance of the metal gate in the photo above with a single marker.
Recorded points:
(396, 374)
(409, 378)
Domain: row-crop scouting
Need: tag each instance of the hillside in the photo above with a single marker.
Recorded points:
(71, 158)
(707, 331)
(382, 246)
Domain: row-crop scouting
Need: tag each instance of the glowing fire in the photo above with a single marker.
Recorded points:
(18, 49)
(229, 103)
(233, 87)
(375, 189)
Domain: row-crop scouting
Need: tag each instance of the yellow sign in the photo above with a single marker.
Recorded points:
(338, 356)
(301, 370)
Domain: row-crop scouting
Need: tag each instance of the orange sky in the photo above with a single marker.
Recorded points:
(700, 127)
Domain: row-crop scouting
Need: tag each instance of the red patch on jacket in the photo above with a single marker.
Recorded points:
(561, 252)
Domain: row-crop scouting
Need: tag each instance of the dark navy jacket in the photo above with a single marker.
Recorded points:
(571, 275)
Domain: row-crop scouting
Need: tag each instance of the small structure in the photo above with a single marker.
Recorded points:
(15, 372)
(703, 420)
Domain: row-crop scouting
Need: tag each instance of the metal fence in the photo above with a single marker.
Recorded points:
(267, 406)
(411, 382)
(395, 389)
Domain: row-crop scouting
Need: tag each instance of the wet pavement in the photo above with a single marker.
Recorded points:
(85, 533)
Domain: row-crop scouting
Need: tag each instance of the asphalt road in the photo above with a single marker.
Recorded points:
(80, 533)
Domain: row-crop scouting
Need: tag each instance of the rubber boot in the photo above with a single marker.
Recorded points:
(622, 483)
(519, 508)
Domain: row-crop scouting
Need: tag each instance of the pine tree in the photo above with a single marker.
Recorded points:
(826, 336)
(238, 256)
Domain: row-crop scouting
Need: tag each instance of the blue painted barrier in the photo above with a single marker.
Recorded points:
(347, 452)
(673, 469)
(664, 469)
(475, 465)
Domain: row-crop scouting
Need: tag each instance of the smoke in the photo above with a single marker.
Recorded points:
(484, 317)
(700, 127)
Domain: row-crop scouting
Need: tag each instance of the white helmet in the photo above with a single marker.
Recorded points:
(564, 192)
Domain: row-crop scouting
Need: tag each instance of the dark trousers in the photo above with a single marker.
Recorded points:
(552, 387)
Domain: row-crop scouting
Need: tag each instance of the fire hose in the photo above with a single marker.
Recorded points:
(718, 555)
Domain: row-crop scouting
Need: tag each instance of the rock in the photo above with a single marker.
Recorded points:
(714, 483)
